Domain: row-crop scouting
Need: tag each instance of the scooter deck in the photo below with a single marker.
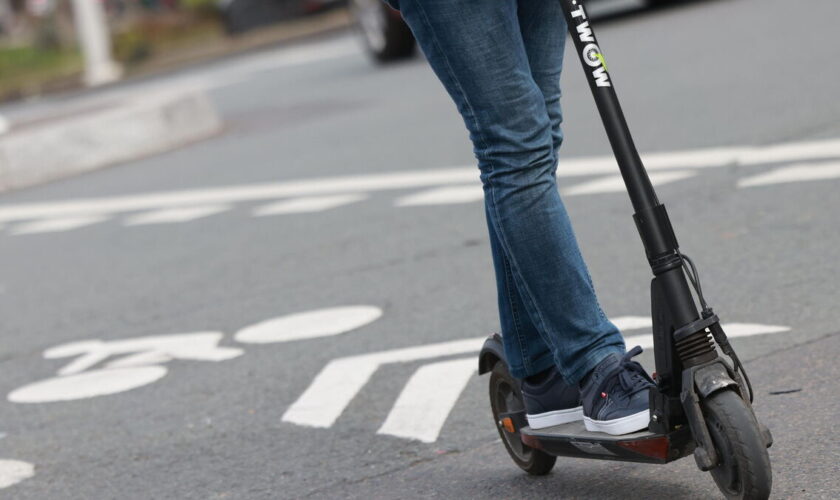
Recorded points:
(573, 440)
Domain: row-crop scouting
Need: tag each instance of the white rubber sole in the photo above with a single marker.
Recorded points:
(625, 425)
(552, 418)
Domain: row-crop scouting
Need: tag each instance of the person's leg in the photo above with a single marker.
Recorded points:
(477, 50)
(527, 354)
(544, 31)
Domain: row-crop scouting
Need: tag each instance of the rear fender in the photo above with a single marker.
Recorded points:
(491, 352)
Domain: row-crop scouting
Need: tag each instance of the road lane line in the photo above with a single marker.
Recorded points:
(569, 167)
(338, 383)
(794, 173)
(783, 153)
(632, 322)
(427, 399)
(615, 183)
(56, 224)
(733, 330)
(307, 204)
(173, 215)
(232, 194)
(443, 196)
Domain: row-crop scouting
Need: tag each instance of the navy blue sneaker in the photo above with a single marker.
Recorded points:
(615, 395)
(551, 401)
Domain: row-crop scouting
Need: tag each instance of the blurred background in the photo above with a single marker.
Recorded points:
(41, 47)
(243, 251)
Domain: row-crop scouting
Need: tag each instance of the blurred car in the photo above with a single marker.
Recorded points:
(384, 33)
(386, 36)
(240, 16)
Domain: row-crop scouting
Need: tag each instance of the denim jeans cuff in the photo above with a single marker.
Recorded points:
(581, 367)
(544, 362)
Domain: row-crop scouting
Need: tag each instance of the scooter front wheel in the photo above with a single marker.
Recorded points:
(743, 471)
(506, 397)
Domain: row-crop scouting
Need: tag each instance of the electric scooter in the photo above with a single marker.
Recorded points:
(702, 402)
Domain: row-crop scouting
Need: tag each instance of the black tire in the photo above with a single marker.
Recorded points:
(505, 397)
(384, 33)
(744, 469)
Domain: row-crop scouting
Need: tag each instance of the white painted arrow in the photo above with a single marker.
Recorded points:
(427, 399)
(339, 382)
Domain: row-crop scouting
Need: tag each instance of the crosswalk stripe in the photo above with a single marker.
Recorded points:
(427, 399)
(173, 215)
(615, 183)
(307, 204)
(55, 224)
(794, 173)
(443, 196)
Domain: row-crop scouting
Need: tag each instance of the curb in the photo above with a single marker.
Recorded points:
(72, 145)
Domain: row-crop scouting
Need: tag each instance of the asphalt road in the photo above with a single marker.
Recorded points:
(347, 190)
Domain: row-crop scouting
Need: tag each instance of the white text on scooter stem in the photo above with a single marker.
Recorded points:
(591, 52)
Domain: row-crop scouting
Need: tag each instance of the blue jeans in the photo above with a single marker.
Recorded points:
(500, 60)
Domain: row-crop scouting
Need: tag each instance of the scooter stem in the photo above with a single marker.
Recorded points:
(642, 194)
(651, 217)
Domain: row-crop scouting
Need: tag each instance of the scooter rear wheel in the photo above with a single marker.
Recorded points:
(506, 397)
(744, 470)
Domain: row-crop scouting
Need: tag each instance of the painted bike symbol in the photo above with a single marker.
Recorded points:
(140, 361)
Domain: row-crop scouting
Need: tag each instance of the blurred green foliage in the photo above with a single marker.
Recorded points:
(25, 69)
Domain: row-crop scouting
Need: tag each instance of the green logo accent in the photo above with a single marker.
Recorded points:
(601, 58)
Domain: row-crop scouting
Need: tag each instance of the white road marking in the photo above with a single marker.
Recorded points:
(443, 196)
(794, 173)
(632, 322)
(14, 471)
(57, 224)
(172, 215)
(138, 367)
(332, 390)
(615, 183)
(733, 330)
(308, 204)
(795, 151)
(231, 194)
(309, 325)
(4, 125)
(87, 385)
(339, 382)
(427, 399)
(139, 359)
(696, 159)
(196, 346)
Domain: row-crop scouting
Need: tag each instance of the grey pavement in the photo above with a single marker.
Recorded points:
(704, 74)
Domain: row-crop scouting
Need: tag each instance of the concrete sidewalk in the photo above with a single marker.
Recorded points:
(69, 140)
(64, 135)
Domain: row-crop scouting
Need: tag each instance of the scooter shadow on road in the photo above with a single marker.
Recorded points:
(597, 482)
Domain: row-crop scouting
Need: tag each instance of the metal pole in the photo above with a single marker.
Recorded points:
(100, 68)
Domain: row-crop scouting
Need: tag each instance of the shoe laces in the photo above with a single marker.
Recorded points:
(630, 374)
